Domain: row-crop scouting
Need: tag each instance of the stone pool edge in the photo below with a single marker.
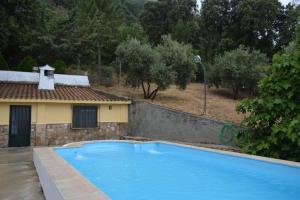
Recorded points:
(60, 181)
(241, 155)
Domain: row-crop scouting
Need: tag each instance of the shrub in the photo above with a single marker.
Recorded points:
(27, 64)
(238, 70)
(273, 121)
(106, 78)
(3, 63)
(60, 67)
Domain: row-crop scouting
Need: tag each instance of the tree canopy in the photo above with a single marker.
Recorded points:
(179, 57)
(263, 25)
(160, 17)
(87, 32)
(147, 67)
(60, 66)
(238, 70)
(27, 64)
(3, 63)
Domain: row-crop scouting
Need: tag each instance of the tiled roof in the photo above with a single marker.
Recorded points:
(64, 93)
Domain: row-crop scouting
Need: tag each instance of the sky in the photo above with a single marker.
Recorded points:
(285, 2)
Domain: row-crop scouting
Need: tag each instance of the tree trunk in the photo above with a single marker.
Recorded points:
(144, 90)
(78, 64)
(147, 91)
(153, 94)
(98, 60)
(235, 92)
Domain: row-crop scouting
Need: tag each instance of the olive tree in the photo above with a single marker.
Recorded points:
(138, 59)
(239, 69)
(179, 57)
(155, 69)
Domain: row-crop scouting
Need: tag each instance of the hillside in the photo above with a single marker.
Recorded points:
(220, 104)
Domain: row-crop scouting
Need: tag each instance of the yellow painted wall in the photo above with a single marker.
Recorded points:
(4, 112)
(56, 113)
(51, 113)
(118, 113)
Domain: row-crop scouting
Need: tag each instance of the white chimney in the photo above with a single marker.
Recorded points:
(35, 69)
(46, 81)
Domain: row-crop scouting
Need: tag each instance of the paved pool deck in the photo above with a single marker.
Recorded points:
(19, 180)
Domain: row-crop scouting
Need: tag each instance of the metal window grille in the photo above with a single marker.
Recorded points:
(84, 116)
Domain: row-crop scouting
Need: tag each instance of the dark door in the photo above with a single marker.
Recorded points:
(19, 126)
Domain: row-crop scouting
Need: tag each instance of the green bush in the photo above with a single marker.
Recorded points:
(27, 64)
(106, 78)
(273, 118)
(60, 67)
(238, 70)
(3, 63)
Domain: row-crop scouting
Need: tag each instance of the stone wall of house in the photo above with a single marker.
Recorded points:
(4, 135)
(59, 134)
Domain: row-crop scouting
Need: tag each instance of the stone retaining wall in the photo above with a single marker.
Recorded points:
(157, 122)
(59, 134)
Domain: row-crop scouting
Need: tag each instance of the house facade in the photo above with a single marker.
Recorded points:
(43, 108)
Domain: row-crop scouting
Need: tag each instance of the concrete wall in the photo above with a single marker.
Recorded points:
(153, 121)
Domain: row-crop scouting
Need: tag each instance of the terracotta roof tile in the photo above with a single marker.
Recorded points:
(30, 91)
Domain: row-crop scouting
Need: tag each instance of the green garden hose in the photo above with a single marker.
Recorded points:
(227, 133)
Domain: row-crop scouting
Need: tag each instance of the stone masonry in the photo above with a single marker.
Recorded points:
(4, 135)
(157, 122)
(59, 134)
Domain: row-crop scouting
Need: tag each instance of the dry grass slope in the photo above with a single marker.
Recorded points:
(220, 104)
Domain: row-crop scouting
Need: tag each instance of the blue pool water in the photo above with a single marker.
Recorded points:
(153, 171)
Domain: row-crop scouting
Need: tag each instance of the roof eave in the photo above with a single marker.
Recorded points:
(64, 101)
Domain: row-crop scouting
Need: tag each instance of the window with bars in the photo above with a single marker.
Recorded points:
(84, 117)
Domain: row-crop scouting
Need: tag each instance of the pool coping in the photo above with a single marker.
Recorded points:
(61, 181)
(231, 153)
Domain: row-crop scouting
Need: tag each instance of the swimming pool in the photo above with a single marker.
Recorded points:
(154, 170)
